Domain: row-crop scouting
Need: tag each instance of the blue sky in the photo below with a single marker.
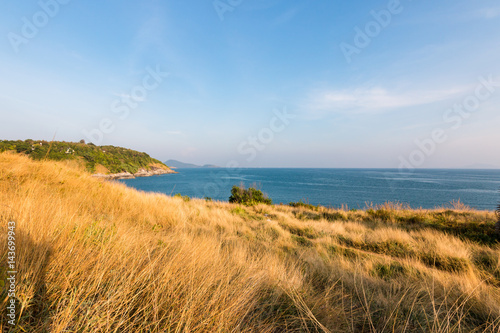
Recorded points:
(68, 67)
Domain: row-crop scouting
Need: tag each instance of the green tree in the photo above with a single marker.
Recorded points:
(249, 197)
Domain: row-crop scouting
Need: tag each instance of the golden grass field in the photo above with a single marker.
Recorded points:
(96, 256)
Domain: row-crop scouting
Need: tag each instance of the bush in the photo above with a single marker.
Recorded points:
(302, 204)
(333, 217)
(183, 197)
(382, 214)
(249, 197)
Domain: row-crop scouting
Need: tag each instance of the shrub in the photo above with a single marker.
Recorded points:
(381, 214)
(249, 197)
(335, 216)
(302, 204)
(389, 271)
(244, 214)
(302, 241)
(183, 197)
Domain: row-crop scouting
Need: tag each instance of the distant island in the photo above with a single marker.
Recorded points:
(181, 165)
(102, 161)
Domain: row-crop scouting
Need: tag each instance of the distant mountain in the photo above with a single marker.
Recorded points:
(181, 165)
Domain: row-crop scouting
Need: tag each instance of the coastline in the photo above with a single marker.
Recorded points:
(154, 171)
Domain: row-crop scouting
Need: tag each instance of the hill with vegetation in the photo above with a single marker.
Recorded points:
(97, 256)
(100, 159)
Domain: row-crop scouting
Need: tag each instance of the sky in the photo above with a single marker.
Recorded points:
(275, 83)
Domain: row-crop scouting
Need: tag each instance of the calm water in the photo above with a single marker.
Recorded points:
(334, 187)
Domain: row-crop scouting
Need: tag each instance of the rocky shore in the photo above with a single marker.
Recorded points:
(153, 171)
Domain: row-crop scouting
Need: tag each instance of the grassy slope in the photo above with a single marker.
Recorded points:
(96, 256)
(95, 158)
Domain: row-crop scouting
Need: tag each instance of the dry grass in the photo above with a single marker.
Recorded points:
(96, 256)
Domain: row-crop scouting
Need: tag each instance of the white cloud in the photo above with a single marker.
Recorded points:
(373, 99)
(488, 13)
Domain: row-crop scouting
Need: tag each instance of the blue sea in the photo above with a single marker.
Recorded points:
(334, 187)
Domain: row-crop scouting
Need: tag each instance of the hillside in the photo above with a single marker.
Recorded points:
(97, 256)
(96, 159)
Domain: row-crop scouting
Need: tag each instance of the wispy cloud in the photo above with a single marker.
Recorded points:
(286, 16)
(373, 99)
(488, 13)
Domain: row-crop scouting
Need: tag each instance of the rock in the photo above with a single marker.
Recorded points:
(121, 175)
(153, 171)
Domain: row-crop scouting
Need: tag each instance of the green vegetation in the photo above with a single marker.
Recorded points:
(302, 204)
(114, 159)
(183, 197)
(249, 197)
(460, 221)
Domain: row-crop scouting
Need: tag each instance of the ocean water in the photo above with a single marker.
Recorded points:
(334, 187)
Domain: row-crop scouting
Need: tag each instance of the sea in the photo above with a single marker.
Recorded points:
(354, 188)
